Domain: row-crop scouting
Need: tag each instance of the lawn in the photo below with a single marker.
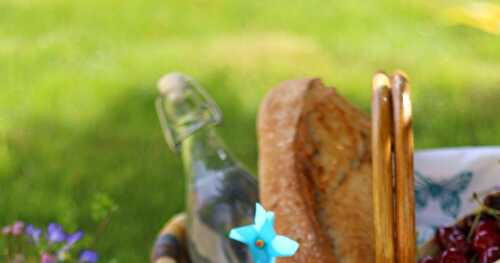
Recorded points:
(78, 87)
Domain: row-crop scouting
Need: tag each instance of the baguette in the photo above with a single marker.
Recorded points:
(315, 172)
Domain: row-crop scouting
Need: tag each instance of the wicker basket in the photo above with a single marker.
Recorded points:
(170, 246)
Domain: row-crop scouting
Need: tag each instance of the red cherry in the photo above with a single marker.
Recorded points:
(471, 219)
(452, 255)
(490, 255)
(487, 225)
(428, 259)
(449, 237)
(485, 239)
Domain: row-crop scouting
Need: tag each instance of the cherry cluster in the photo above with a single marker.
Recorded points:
(475, 239)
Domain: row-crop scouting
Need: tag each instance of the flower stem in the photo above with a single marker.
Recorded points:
(101, 228)
(474, 224)
(9, 249)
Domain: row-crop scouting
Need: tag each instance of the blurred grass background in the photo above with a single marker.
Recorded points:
(78, 85)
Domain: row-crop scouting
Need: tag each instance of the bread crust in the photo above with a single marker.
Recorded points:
(315, 172)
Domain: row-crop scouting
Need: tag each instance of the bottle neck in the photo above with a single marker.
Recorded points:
(205, 146)
(201, 142)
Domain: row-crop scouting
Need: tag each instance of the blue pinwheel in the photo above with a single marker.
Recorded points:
(261, 238)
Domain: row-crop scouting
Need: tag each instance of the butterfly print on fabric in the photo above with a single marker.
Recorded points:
(446, 192)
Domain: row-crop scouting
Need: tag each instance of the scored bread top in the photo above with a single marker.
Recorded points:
(315, 171)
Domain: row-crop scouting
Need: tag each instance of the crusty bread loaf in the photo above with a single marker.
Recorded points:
(315, 172)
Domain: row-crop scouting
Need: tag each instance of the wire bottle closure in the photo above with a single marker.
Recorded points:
(184, 107)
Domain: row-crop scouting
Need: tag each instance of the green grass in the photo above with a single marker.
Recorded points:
(78, 85)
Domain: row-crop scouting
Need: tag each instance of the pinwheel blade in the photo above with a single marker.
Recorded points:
(260, 216)
(283, 246)
(244, 234)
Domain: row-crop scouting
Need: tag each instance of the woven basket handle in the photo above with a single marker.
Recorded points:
(170, 245)
(393, 186)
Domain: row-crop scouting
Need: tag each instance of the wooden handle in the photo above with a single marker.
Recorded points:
(403, 164)
(382, 170)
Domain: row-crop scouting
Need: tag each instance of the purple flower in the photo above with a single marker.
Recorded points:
(55, 233)
(88, 256)
(48, 258)
(75, 237)
(71, 240)
(34, 233)
(18, 228)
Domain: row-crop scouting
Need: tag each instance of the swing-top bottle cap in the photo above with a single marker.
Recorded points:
(183, 108)
(171, 85)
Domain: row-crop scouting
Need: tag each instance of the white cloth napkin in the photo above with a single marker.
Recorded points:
(445, 180)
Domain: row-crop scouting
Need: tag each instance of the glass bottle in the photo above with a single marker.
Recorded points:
(221, 194)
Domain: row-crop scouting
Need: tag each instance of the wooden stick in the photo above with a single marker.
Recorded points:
(406, 251)
(382, 170)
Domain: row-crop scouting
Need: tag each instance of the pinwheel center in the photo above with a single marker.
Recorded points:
(260, 243)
